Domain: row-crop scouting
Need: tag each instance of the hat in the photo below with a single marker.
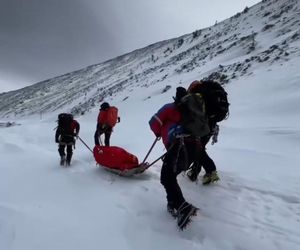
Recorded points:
(194, 86)
(104, 106)
(180, 92)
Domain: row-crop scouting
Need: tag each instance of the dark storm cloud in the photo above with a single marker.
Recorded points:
(40, 39)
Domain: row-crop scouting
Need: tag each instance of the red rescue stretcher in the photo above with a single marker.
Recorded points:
(118, 160)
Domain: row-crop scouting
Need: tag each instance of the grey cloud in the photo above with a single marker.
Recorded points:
(40, 39)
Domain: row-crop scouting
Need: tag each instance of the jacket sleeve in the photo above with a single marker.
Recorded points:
(155, 125)
(77, 127)
(158, 120)
(57, 134)
(102, 116)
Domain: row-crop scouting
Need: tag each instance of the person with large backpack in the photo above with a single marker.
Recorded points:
(182, 149)
(107, 119)
(66, 132)
(217, 109)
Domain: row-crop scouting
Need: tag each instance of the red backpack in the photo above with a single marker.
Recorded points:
(109, 116)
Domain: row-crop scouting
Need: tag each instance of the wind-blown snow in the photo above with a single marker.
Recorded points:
(256, 205)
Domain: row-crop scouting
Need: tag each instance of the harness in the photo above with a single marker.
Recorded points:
(182, 139)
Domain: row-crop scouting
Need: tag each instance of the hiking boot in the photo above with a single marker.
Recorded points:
(214, 176)
(184, 214)
(192, 175)
(68, 161)
(210, 178)
(62, 160)
(172, 210)
(193, 172)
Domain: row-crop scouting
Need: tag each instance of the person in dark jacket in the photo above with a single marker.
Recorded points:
(182, 150)
(65, 137)
(204, 161)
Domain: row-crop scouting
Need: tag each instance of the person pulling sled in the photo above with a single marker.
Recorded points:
(66, 132)
(182, 150)
(107, 119)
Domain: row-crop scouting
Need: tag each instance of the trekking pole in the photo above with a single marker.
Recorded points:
(161, 156)
(156, 160)
(85, 144)
(153, 144)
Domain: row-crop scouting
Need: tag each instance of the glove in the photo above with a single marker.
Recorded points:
(56, 140)
(157, 136)
(76, 136)
(119, 119)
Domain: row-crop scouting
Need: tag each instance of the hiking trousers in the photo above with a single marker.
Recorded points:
(66, 141)
(178, 158)
(107, 133)
(61, 150)
(203, 159)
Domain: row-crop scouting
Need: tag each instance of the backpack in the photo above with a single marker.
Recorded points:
(64, 123)
(193, 118)
(215, 98)
(109, 116)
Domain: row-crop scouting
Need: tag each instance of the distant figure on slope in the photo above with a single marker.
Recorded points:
(66, 131)
(216, 109)
(107, 119)
(182, 149)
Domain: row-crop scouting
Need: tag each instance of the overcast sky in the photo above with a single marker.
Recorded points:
(40, 39)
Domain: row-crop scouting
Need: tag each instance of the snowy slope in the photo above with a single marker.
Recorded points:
(266, 34)
(256, 205)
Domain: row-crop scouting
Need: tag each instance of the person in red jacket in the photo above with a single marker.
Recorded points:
(181, 152)
(107, 119)
(67, 130)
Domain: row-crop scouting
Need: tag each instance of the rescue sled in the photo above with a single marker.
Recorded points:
(118, 160)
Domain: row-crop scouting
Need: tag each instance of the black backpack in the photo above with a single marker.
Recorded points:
(193, 118)
(215, 98)
(64, 123)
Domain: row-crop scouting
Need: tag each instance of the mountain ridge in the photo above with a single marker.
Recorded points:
(265, 34)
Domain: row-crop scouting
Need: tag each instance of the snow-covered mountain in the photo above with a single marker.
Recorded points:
(256, 203)
(258, 37)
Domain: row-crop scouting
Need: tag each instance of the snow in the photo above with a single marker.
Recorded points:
(255, 205)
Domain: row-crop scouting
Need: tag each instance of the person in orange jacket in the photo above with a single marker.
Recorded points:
(107, 119)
